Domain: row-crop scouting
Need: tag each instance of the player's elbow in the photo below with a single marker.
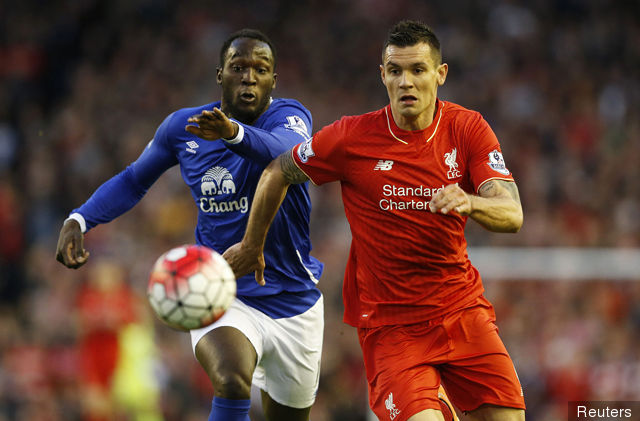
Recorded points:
(273, 167)
(507, 222)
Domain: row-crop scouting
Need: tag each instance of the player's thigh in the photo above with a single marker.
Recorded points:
(230, 348)
(227, 356)
(479, 370)
(275, 411)
(291, 357)
(495, 413)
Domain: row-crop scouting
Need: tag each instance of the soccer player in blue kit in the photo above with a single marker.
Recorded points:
(271, 335)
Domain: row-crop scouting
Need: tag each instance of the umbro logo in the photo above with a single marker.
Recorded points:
(192, 146)
(383, 165)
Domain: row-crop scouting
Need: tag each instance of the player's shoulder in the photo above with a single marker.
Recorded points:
(286, 102)
(175, 122)
(362, 123)
(181, 115)
(372, 116)
(172, 127)
(287, 106)
(289, 113)
(459, 114)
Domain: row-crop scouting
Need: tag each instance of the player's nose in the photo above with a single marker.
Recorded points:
(249, 76)
(405, 80)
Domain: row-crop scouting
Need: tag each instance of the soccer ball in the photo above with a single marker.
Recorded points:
(190, 287)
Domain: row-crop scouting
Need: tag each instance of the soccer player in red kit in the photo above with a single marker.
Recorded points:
(412, 174)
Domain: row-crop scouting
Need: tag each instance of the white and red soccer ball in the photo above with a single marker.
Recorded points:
(190, 287)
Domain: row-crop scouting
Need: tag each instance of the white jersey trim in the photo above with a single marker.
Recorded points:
(313, 278)
(79, 219)
(238, 137)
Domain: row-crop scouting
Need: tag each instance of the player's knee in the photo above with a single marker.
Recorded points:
(231, 385)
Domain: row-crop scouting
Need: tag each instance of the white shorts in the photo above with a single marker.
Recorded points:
(289, 350)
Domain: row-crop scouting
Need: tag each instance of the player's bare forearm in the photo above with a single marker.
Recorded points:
(270, 193)
(248, 255)
(497, 206)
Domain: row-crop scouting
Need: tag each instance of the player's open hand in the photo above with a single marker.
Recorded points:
(451, 198)
(244, 260)
(212, 125)
(70, 251)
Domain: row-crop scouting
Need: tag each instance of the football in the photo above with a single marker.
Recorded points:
(190, 287)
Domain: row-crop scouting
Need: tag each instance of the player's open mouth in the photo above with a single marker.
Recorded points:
(247, 97)
(408, 99)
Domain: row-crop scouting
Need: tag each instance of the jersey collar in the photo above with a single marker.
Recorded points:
(404, 136)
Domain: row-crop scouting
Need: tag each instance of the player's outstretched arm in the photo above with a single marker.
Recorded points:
(247, 255)
(212, 125)
(496, 207)
(70, 250)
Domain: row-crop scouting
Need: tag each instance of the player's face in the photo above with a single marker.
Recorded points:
(412, 76)
(247, 79)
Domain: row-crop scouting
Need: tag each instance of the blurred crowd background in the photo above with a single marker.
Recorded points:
(83, 85)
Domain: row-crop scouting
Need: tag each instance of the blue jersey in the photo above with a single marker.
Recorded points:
(223, 178)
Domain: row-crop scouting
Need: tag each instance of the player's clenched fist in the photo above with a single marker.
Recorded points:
(70, 250)
(451, 198)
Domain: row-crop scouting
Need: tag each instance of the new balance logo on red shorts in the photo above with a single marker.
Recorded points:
(383, 165)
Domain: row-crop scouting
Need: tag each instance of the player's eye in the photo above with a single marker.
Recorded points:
(262, 70)
(236, 68)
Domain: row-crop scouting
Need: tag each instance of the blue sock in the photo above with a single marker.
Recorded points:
(230, 409)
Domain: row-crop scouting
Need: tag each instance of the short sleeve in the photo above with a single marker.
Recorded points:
(321, 158)
(485, 155)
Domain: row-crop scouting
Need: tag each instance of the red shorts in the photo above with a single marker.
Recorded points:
(406, 363)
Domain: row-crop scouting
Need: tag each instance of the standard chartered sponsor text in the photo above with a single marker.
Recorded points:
(391, 191)
(210, 205)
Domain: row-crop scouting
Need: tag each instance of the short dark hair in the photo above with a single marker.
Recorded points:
(410, 32)
(246, 33)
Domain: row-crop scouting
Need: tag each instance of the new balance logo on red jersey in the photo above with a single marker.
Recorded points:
(383, 165)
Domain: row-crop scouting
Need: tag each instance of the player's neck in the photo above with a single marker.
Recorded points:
(414, 123)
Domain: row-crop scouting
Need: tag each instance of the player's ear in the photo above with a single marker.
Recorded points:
(382, 75)
(219, 75)
(275, 77)
(443, 69)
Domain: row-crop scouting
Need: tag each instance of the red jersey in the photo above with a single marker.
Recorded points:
(406, 264)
